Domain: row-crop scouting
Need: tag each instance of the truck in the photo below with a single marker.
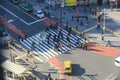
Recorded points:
(38, 12)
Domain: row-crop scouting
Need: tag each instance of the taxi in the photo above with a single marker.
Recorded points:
(67, 67)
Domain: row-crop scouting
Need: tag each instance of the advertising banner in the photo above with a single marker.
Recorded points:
(70, 2)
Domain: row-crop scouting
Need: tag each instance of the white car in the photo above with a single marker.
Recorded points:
(38, 12)
(117, 61)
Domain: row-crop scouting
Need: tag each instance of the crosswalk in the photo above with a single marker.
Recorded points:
(45, 50)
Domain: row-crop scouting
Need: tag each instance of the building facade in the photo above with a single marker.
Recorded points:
(82, 2)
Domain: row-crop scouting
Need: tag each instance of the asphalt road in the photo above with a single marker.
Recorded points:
(16, 11)
(88, 65)
(22, 20)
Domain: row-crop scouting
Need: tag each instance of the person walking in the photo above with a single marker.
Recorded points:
(69, 32)
(77, 19)
(62, 37)
(102, 35)
(68, 41)
(81, 23)
(78, 42)
(47, 29)
(72, 18)
(54, 39)
(32, 46)
(49, 35)
(77, 27)
(87, 23)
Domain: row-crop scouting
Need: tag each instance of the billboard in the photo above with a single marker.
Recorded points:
(70, 2)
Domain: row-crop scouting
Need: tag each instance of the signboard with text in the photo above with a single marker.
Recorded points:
(70, 2)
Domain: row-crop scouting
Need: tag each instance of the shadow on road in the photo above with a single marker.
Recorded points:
(91, 76)
(77, 70)
(39, 74)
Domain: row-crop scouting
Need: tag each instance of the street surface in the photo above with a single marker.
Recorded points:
(95, 63)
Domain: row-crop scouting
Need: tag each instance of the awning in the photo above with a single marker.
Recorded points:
(12, 67)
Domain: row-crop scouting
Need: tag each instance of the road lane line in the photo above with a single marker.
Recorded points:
(37, 21)
(13, 14)
(21, 18)
(8, 11)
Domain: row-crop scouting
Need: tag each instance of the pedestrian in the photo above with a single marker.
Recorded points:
(82, 45)
(68, 38)
(26, 36)
(81, 23)
(70, 29)
(64, 12)
(92, 11)
(54, 39)
(85, 9)
(19, 37)
(102, 37)
(77, 19)
(69, 44)
(68, 41)
(86, 18)
(60, 45)
(78, 42)
(85, 44)
(47, 29)
(98, 26)
(55, 46)
(32, 46)
(87, 24)
(66, 23)
(49, 37)
(76, 27)
(28, 53)
(62, 36)
(99, 18)
(109, 43)
(72, 18)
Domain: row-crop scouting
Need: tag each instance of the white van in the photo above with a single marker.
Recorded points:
(38, 12)
(117, 61)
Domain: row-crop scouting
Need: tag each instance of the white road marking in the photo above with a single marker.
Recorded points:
(37, 21)
(10, 20)
(21, 18)
(8, 11)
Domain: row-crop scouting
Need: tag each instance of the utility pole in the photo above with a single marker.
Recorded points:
(103, 33)
(61, 5)
(104, 22)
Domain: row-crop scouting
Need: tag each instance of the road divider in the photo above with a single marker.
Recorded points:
(89, 29)
(111, 31)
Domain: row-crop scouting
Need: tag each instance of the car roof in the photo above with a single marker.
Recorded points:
(118, 58)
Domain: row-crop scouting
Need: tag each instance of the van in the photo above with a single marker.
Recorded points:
(117, 61)
(38, 12)
(67, 67)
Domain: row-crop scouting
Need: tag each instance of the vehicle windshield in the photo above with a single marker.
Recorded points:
(117, 61)
(67, 68)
